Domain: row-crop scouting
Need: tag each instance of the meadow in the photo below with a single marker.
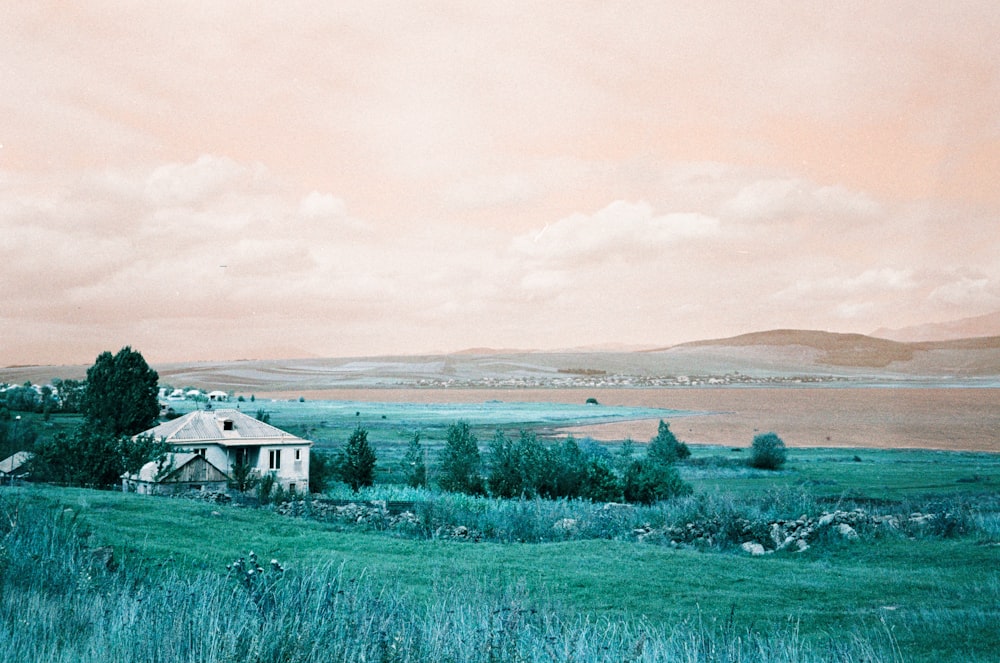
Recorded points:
(519, 584)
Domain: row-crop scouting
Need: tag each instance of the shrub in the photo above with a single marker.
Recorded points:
(322, 467)
(649, 482)
(768, 452)
(665, 447)
(414, 465)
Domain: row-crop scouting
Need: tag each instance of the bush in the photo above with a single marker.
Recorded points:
(649, 482)
(665, 447)
(322, 467)
(414, 465)
(768, 452)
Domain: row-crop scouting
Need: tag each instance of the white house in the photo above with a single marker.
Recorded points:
(226, 437)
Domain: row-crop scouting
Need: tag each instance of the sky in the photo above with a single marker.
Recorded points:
(229, 180)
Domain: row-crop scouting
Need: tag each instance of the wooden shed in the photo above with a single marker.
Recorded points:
(176, 473)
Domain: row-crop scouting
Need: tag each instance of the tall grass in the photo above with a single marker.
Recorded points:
(719, 520)
(61, 602)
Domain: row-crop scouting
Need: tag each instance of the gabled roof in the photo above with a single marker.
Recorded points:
(161, 472)
(13, 463)
(208, 426)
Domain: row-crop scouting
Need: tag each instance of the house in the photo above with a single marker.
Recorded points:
(178, 472)
(225, 438)
(218, 396)
(15, 467)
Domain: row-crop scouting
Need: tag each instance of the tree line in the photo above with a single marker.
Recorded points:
(522, 466)
(119, 401)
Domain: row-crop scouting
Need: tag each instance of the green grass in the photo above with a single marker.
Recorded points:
(879, 474)
(927, 591)
(934, 598)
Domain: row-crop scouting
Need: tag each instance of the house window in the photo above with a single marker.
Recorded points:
(227, 424)
(291, 488)
(298, 454)
(274, 459)
(201, 452)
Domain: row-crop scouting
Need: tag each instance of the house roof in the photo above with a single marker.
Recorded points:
(13, 463)
(208, 426)
(173, 462)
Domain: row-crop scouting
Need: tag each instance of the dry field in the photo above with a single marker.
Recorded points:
(929, 418)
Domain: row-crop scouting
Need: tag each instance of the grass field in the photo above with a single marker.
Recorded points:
(936, 598)
(889, 596)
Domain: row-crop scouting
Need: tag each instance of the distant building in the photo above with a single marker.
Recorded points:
(224, 438)
(218, 396)
(15, 466)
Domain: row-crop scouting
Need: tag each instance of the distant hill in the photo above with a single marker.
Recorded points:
(784, 354)
(855, 350)
(975, 327)
(806, 349)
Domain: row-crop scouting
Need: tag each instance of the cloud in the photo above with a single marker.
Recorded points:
(621, 228)
(978, 292)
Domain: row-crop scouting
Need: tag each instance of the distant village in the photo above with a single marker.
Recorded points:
(598, 380)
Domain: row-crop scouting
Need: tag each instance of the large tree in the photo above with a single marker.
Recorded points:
(356, 463)
(120, 397)
(459, 469)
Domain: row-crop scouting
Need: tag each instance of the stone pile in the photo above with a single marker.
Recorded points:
(374, 513)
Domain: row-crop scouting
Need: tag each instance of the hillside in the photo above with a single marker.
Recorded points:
(975, 327)
(782, 355)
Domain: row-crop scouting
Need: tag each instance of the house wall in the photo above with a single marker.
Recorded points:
(292, 474)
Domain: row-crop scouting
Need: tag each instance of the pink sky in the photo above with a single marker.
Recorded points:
(200, 180)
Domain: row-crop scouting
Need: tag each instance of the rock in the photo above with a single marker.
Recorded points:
(565, 526)
(847, 531)
(801, 545)
(753, 548)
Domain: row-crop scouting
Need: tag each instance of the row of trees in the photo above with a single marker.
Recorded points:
(63, 396)
(118, 401)
(523, 466)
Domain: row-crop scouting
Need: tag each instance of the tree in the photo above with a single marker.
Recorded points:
(506, 476)
(460, 461)
(322, 467)
(93, 458)
(649, 482)
(356, 463)
(665, 448)
(244, 476)
(121, 394)
(602, 484)
(70, 394)
(413, 463)
(767, 452)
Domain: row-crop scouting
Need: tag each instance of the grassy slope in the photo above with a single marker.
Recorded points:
(936, 595)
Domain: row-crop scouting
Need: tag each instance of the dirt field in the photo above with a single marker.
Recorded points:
(929, 418)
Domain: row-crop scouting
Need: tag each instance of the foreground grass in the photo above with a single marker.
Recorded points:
(937, 598)
(59, 603)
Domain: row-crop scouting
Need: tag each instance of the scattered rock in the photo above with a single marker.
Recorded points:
(847, 532)
(753, 548)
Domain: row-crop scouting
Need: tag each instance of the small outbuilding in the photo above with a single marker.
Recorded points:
(15, 467)
(176, 473)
